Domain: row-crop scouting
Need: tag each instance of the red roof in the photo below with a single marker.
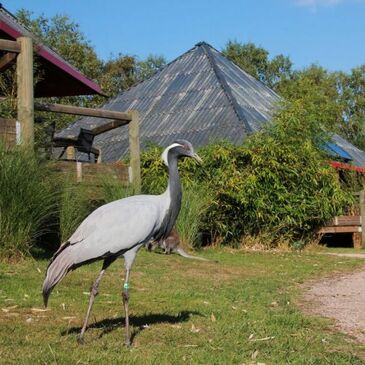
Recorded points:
(60, 77)
(346, 166)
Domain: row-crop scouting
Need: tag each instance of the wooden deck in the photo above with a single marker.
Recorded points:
(345, 224)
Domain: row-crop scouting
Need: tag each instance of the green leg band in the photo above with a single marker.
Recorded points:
(126, 286)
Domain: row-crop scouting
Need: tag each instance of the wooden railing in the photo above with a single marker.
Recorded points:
(92, 173)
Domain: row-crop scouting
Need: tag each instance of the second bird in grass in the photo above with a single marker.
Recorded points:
(121, 228)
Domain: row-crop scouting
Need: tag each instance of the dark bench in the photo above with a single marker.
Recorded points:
(84, 141)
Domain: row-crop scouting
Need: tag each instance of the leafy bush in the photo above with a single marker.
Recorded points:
(279, 181)
(27, 200)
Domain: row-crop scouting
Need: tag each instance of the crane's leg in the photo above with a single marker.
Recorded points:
(125, 296)
(93, 293)
(129, 257)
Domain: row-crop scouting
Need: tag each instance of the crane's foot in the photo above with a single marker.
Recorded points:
(80, 340)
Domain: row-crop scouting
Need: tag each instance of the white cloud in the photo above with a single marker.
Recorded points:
(314, 4)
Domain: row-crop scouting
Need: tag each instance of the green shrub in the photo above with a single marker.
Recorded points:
(27, 200)
(278, 181)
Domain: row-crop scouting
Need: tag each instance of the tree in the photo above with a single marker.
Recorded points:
(118, 74)
(352, 99)
(150, 66)
(255, 61)
(316, 90)
(66, 38)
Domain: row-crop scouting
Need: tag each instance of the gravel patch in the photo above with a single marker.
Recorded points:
(341, 298)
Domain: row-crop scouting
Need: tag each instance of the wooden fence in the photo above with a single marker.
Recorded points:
(92, 173)
(8, 132)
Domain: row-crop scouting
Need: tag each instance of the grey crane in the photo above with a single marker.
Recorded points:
(121, 228)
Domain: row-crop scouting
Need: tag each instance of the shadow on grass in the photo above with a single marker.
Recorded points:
(141, 322)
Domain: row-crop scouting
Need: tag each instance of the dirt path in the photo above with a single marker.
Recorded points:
(341, 298)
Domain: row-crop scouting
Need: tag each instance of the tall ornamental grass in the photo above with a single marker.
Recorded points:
(78, 200)
(27, 200)
(195, 202)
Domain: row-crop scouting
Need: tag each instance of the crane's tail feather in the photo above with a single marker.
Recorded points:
(182, 253)
(61, 263)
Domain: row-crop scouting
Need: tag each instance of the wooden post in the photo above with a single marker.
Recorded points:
(99, 159)
(135, 162)
(78, 171)
(71, 153)
(24, 72)
(362, 213)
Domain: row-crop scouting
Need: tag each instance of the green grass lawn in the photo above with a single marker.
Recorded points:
(242, 310)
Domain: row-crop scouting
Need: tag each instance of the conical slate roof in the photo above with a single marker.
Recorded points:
(200, 96)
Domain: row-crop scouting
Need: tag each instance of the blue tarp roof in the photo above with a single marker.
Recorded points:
(336, 151)
(347, 150)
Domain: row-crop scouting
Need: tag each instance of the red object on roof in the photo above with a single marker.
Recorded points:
(346, 166)
(60, 78)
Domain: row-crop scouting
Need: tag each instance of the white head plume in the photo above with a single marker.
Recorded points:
(166, 152)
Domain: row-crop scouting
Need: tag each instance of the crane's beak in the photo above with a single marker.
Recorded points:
(197, 158)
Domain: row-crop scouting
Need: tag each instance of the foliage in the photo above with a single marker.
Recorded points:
(66, 38)
(150, 66)
(79, 199)
(74, 206)
(117, 74)
(337, 97)
(352, 98)
(27, 200)
(278, 181)
(255, 60)
(113, 190)
(317, 91)
(195, 202)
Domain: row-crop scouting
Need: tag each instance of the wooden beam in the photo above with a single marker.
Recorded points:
(134, 150)
(108, 126)
(77, 110)
(339, 229)
(9, 46)
(25, 95)
(7, 60)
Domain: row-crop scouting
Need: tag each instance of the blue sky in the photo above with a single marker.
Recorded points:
(330, 33)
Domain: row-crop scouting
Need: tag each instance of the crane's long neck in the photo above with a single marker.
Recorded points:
(174, 188)
(172, 196)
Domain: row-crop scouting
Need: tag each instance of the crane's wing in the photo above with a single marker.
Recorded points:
(116, 227)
